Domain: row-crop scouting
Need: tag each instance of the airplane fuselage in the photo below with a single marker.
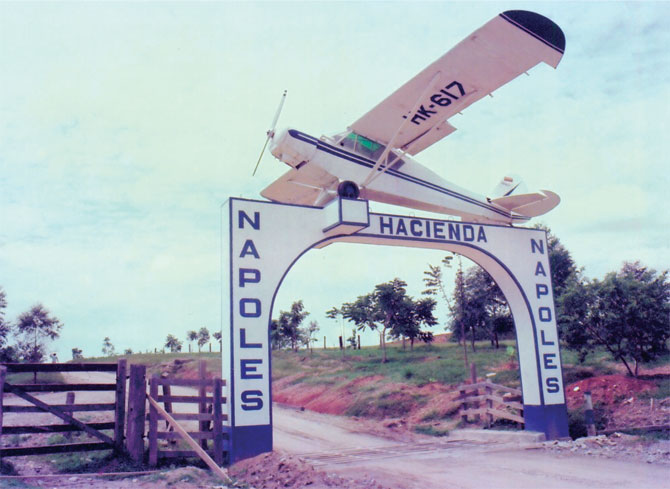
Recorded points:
(405, 182)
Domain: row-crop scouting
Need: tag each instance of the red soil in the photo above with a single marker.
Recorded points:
(606, 389)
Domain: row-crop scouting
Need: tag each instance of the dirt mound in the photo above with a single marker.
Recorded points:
(278, 471)
(399, 406)
(606, 389)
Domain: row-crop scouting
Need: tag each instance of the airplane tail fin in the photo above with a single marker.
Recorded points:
(509, 185)
(511, 194)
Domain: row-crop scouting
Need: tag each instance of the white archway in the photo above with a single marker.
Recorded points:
(261, 241)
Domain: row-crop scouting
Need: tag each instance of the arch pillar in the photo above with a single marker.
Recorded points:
(262, 240)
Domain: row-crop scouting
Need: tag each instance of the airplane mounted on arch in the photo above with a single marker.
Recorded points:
(372, 159)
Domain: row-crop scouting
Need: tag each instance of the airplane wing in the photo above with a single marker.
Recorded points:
(308, 185)
(499, 51)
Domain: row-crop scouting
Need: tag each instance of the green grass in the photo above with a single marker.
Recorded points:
(17, 484)
(426, 363)
(427, 429)
(155, 361)
(77, 462)
(662, 392)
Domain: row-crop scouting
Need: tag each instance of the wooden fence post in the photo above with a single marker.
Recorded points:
(588, 414)
(473, 379)
(167, 392)
(202, 392)
(137, 391)
(3, 374)
(120, 410)
(489, 404)
(69, 400)
(217, 422)
(153, 423)
(464, 405)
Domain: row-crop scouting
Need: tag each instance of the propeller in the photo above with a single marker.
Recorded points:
(271, 132)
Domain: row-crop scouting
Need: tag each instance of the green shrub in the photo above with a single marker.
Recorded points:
(577, 425)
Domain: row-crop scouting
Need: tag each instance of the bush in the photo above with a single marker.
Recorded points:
(577, 425)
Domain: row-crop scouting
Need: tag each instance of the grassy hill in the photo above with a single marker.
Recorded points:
(414, 389)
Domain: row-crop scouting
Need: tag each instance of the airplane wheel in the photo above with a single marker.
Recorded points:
(348, 190)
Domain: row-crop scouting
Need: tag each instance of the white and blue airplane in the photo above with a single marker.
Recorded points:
(372, 159)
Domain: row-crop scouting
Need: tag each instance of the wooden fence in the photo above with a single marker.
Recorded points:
(208, 415)
(491, 400)
(66, 411)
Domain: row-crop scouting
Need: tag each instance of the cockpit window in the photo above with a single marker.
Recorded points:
(362, 145)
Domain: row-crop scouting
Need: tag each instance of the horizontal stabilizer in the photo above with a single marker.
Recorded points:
(529, 205)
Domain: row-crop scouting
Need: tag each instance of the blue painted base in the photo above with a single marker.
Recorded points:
(551, 420)
(249, 441)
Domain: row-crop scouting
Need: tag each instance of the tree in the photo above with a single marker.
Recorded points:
(483, 307)
(107, 348)
(191, 336)
(35, 327)
(352, 339)
(128, 351)
(312, 328)
(627, 313)
(7, 353)
(4, 327)
(434, 280)
(76, 354)
(217, 337)
(410, 316)
(564, 271)
(387, 308)
(333, 313)
(173, 344)
(203, 338)
(286, 331)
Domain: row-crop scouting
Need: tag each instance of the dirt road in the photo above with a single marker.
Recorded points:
(335, 444)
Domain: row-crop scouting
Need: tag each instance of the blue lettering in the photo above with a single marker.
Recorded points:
(545, 314)
(539, 270)
(468, 233)
(548, 359)
(438, 230)
(535, 245)
(243, 216)
(454, 232)
(249, 249)
(541, 289)
(243, 340)
(385, 225)
(544, 340)
(413, 225)
(401, 229)
(249, 276)
(247, 366)
(252, 400)
(552, 385)
(481, 235)
(245, 313)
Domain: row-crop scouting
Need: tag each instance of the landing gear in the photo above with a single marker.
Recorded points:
(348, 190)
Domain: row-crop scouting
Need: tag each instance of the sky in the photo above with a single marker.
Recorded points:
(125, 126)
